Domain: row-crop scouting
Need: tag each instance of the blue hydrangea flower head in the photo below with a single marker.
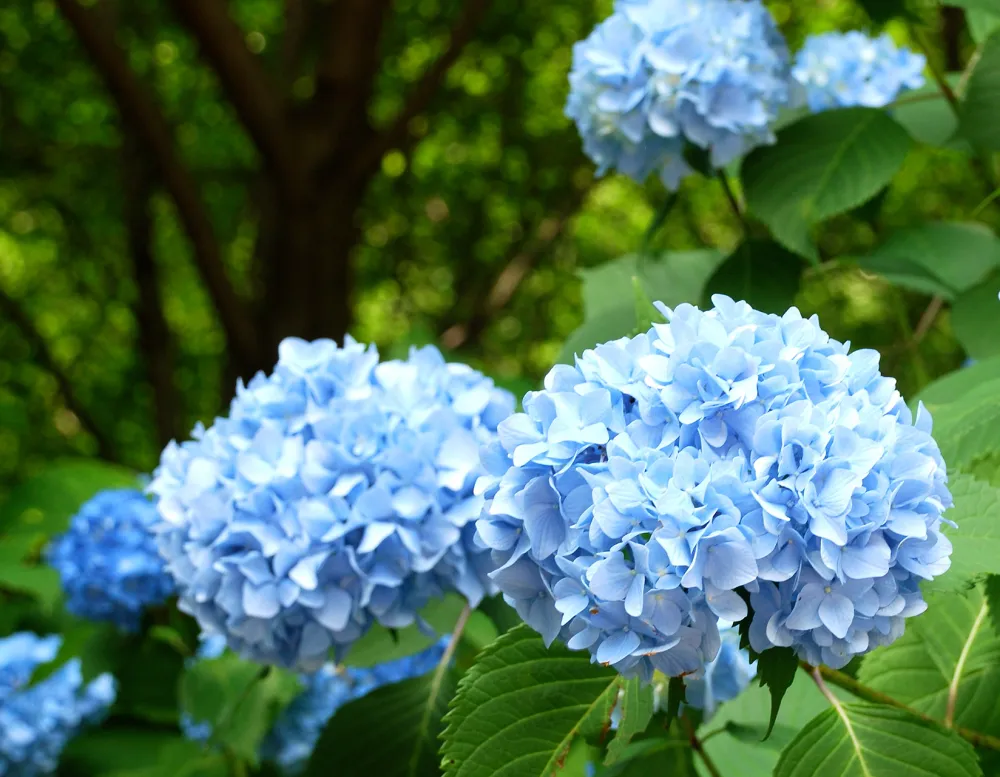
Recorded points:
(108, 560)
(292, 739)
(727, 449)
(658, 75)
(36, 721)
(722, 679)
(337, 493)
(841, 70)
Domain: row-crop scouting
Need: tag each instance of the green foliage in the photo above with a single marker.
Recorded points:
(776, 670)
(140, 753)
(976, 542)
(762, 272)
(636, 712)
(977, 118)
(956, 385)
(822, 165)
(866, 740)
(521, 706)
(975, 319)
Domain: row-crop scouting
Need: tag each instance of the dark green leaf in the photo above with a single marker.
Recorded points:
(929, 118)
(981, 101)
(991, 589)
(968, 429)
(136, 752)
(866, 740)
(392, 732)
(944, 258)
(975, 317)
(959, 383)
(668, 754)
(982, 24)
(881, 11)
(521, 706)
(504, 616)
(379, 645)
(976, 541)
(636, 703)
(676, 696)
(822, 165)
(776, 670)
(950, 649)
(761, 272)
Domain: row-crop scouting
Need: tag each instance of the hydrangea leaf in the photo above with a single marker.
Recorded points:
(969, 429)
(665, 754)
(975, 317)
(776, 670)
(504, 616)
(761, 272)
(676, 696)
(976, 541)
(977, 117)
(950, 651)
(645, 313)
(135, 752)
(391, 732)
(982, 23)
(983, 5)
(928, 117)
(637, 710)
(957, 384)
(866, 740)
(521, 706)
(911, 257)
(822, 165)
(881, 11)
(985, 468)
(991, 589)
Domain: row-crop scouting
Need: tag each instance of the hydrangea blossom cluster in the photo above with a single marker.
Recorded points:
(658, 75)
(722, 679)
(36, 721)
(840, 70)
(336, 494)
(725, 452)
(108, 560)
(291, 740)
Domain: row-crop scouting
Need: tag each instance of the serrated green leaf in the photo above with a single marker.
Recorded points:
(957, 384)
(975, 319)
(636, 702)
(968, 429)
(521, 706)
(822, 165)
(976, 541)
(867, 740)
(776, 670)
(391, 732)
(380, 645)
(981, 101)
(949, 649)
(914, 257)
(761, 272)
(991, 590)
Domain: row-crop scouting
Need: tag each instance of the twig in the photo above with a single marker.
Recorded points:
(697, 746)
(927, 318)
(865, 693)
(936, 74)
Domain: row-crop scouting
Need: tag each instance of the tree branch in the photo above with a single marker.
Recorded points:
(397, 135)
(154, 335)
(13, 310)
(143, 115)
(245, 82)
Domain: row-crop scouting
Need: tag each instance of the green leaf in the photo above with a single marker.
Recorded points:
(982, 24)
(645, 313)
(881, 11)
(981, 101)
(380, 645)
(676, 696)
(521, 706)
(991, 589)
(391, 732)
(636, 704)
(969, 429)
(761, 272)
(983, 5)
(949, 649)
(668, 754)
(38, 581)
(975, 318)
(136, 752)
(928, 117)
(504, 616)
(985, 468)
(776, 670)
(867, 740)
(957, 384)
(943, 258)
(976, 541)
(822, 165)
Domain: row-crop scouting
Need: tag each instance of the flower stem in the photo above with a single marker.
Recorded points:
(698, 746)
(734, 203)
(865, 693)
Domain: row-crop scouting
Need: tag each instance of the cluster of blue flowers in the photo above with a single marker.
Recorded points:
(338, 493)
(292, 739)
(36, 721)
(108, 560)
(723, 678)
(660, 75)
(841, 70)
(728, 449)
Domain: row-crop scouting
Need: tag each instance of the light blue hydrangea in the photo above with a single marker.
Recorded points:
(658, 75)
(840, 70)
(722, 679)
(728, 449)
(108, 560)
(36, 721)
(337, 493)
(292, 739)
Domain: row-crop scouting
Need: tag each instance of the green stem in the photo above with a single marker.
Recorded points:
(698, 746)
(865, 693)
(734, 204)
(658, 220)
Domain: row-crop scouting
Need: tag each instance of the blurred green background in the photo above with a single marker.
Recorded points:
(463, 223)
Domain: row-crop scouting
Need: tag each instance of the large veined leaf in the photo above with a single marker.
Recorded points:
(976, 541)
(867, 740)
(928, 117)
(521, 706)
(761, 272)
(951, 650)
(975, 317)
(937, 258)
(636, 711)
(956, 384)
(392, 732)
(981, 101)
(969, 428)
(609, 295)
(822, 165)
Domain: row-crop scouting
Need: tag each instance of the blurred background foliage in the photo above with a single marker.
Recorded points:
(468, 233)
